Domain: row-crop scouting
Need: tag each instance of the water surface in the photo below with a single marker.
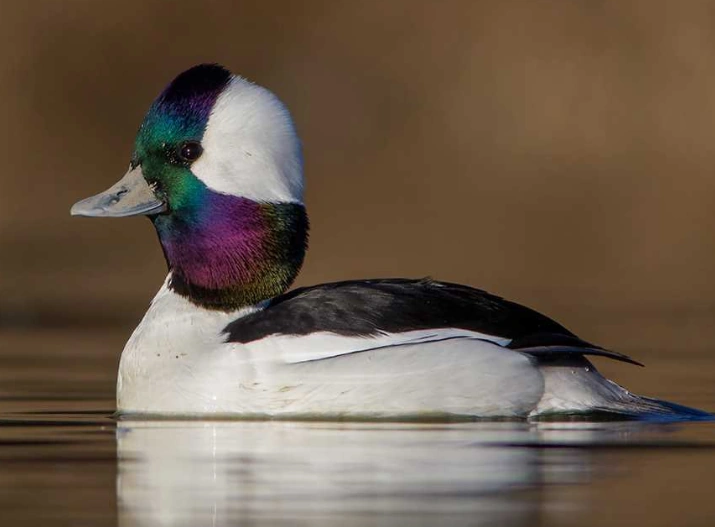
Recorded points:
(66, 461)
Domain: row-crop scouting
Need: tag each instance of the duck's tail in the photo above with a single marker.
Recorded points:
(648, 409)
(573, 386)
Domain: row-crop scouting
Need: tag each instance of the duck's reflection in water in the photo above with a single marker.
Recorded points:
(302, 473)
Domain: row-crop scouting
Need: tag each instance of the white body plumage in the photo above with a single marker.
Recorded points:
(178, 363)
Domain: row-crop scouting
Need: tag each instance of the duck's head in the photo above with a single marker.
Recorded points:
(217, 167)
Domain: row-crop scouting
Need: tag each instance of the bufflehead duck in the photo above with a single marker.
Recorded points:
(217, 168)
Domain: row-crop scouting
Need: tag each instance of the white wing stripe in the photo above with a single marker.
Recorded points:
(292, 349)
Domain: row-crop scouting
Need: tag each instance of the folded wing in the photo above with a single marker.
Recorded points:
(329, 320)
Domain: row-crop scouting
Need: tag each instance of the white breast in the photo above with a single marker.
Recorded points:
(170, 362)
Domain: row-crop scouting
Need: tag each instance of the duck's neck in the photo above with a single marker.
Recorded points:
(235, 253)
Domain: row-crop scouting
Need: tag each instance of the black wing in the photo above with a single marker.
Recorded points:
(371, 307)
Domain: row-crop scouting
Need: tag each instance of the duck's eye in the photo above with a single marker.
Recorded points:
(190, 151)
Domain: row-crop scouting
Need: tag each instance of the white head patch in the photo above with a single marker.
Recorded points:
(251, 148)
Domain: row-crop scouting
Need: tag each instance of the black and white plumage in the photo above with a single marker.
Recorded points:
(217, 167)
(365, 308)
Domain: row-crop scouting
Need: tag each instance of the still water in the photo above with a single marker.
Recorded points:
(65, 461)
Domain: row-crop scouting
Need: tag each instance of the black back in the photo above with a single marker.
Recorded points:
(371, 307)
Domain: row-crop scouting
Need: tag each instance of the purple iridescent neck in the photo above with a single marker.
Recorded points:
(232, 252)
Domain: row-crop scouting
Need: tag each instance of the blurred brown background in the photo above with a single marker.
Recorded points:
(558, 153)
